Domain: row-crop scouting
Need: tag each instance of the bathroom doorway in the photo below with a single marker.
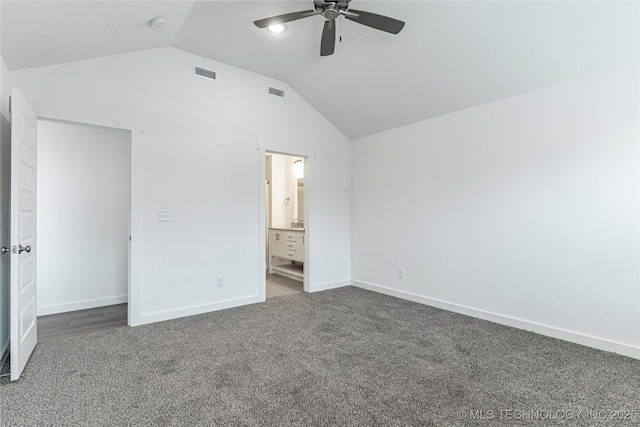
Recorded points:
(285, 224)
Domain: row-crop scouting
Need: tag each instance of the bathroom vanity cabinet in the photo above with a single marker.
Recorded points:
(287, 252)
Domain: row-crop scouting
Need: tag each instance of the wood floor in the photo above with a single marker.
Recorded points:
(81, 322)
(114, 316)
(278, 286)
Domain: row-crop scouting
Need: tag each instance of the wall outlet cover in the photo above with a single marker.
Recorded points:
(164, 216)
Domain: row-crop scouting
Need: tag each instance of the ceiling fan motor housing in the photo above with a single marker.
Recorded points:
(330, 12)
(330, 9)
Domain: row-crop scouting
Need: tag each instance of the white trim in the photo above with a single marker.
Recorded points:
(109, 119)
(286, 148)
(197, 309)
(70, 113)
(330, 285)
(80, 305)
(309, 153)
(550, 331)
(135, 229)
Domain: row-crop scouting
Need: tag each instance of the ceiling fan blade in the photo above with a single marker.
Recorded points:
(379, 22)
(328, 42)
(281, 19)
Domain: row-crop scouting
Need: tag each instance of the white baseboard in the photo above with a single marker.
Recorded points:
(330, 285)
(80, 305)
(197, 309)
(578, 338)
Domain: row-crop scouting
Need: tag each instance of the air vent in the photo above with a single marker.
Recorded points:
(276, 92)
(204, 73)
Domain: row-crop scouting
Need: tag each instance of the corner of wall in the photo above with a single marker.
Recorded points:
(5, 153)
(498, 215)
(5, 89)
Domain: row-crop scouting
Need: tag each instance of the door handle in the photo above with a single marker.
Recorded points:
(26, 249)
(5, 250)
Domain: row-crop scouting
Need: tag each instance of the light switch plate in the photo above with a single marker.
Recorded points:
(164, 216)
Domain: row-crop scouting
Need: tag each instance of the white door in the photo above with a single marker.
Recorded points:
(23, 233)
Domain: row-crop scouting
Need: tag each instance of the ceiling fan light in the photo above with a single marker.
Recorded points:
(276, 28)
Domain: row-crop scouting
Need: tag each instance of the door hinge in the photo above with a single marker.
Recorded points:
(9, 104)
(129, 237)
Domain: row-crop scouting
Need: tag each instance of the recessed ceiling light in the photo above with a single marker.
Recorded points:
(158, 22)
(277, 28)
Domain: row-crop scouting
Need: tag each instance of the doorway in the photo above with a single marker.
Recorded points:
(83, 199)
(266, 147)
(285, 224)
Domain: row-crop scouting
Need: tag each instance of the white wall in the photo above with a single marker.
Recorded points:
(278, 191)
(83, 216)
(199, 159)
(522, 211)
(5, 180)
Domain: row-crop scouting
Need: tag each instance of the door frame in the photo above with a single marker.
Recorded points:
(110, 120)
(266, 146)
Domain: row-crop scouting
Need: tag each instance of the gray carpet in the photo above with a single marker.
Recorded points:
(340, 357)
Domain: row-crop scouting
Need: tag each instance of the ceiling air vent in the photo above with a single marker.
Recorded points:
(276, 92)
(204, 73)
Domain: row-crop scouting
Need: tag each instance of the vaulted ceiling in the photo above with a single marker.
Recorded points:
(451, 55)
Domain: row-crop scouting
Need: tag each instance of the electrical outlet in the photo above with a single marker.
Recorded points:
(220, 281)
(164, 216)
(401, 273)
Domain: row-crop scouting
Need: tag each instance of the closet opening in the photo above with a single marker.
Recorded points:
(83, 226)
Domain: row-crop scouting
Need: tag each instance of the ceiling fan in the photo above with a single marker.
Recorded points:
(332, 10)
